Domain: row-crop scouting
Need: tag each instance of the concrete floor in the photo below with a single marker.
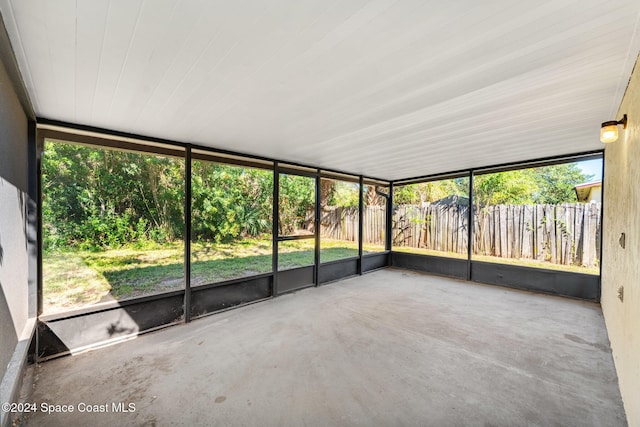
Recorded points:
(388, 348)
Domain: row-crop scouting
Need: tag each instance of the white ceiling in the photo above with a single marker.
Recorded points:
(389, 89)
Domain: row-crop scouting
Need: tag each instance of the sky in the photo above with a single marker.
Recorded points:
(592, 167)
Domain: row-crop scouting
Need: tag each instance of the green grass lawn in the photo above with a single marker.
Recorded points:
(75, 279)
(538, 264)
(511, 261)
(421, 251)
(78, 278)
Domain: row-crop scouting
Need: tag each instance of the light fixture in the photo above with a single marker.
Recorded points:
(609, 130)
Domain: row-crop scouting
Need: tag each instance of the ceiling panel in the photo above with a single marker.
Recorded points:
(389, 89)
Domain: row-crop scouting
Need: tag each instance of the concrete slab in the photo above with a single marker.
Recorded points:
(388, 348)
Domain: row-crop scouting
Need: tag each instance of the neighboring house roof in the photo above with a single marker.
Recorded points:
(584, 190)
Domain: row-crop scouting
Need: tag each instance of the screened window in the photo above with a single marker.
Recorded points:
(231, 227)
(112, 224)
(339, 219)
(543, 217)
(296, 221)
(432, 218)
(374, 218)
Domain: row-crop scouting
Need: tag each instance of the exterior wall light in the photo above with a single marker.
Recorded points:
(609, 130)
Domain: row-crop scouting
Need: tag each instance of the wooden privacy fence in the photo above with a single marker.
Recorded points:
(563, 234)
(566, 234)
(341, 223)
(440, 227)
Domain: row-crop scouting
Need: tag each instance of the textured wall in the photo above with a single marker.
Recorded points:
(621, 267)
(14, 256)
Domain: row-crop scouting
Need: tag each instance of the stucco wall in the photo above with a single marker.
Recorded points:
(621, 267)
(14, 253)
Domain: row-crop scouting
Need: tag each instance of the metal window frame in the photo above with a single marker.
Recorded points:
(112, 140)
(108, 134)
(360, 221)
(187, 233)
(107, 139)
(503, 167)
(503, 274)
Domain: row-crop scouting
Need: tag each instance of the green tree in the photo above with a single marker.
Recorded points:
(556, 183)
(345, 194)
(95, 197)
(510, 187)
(543, 185)
(430, 191)
(297, 202)
(229, 202)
